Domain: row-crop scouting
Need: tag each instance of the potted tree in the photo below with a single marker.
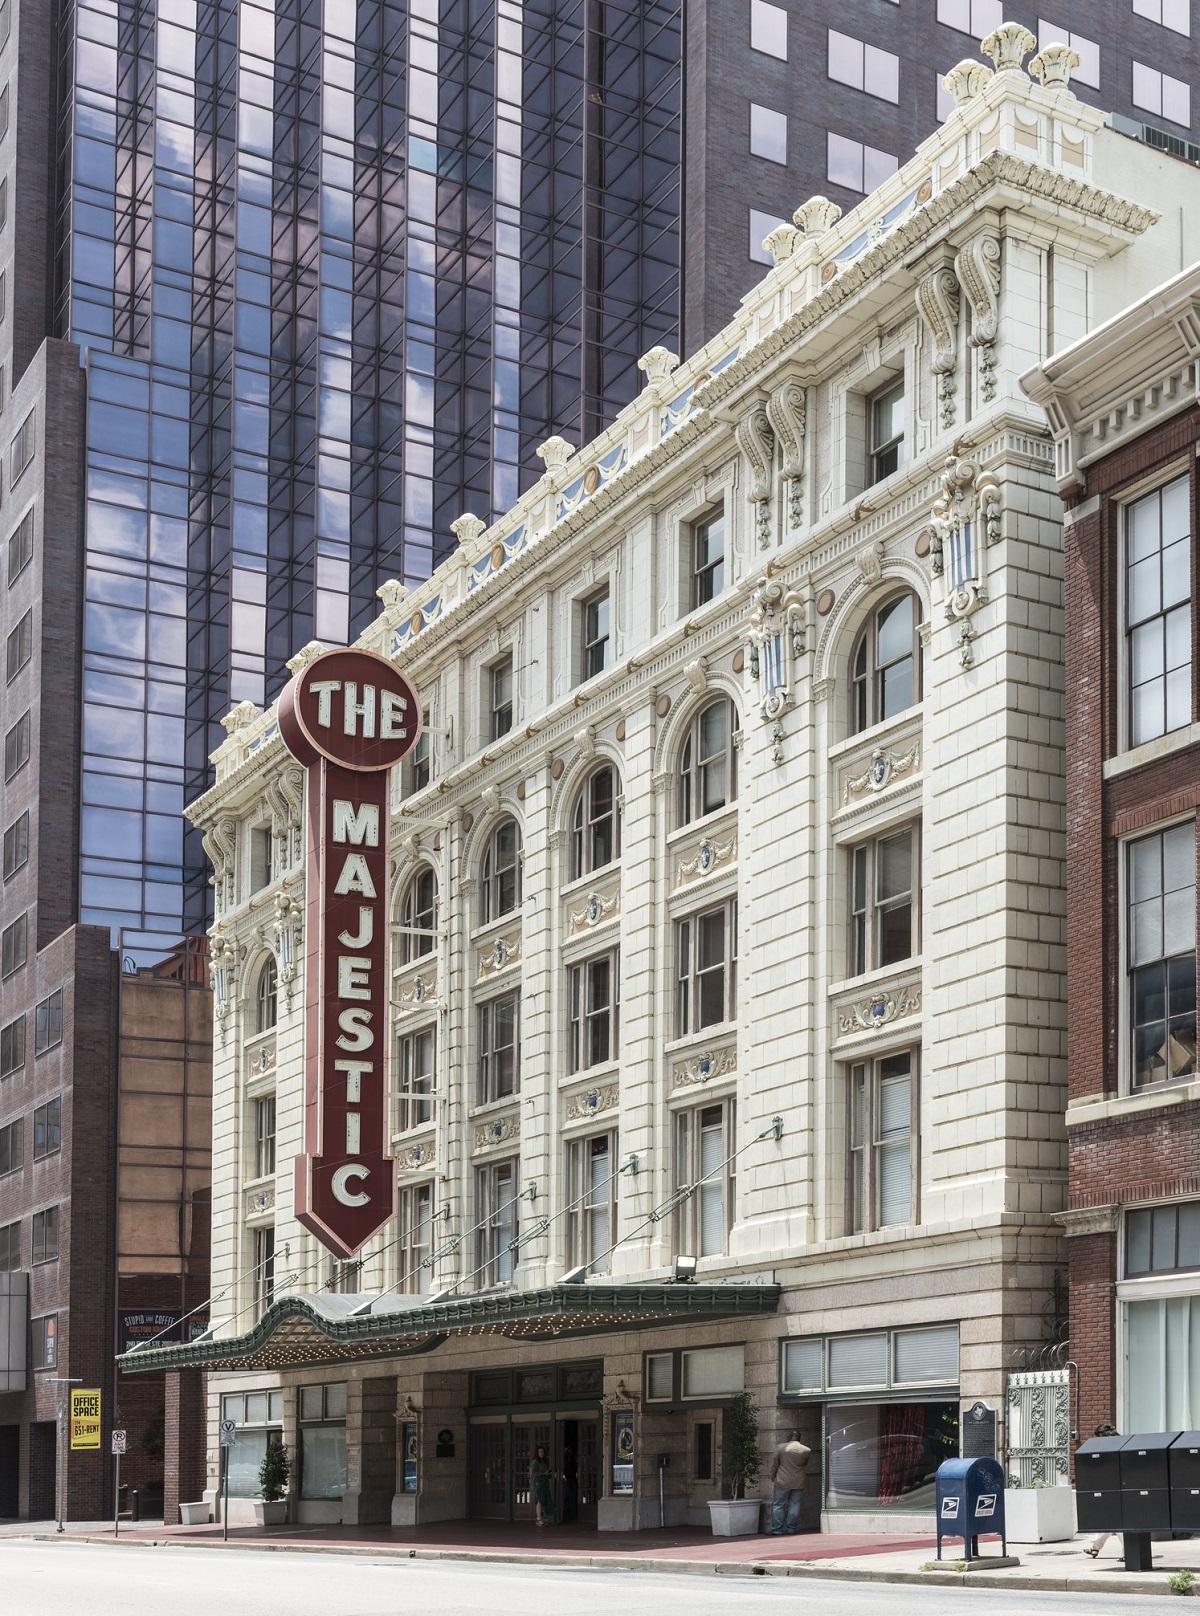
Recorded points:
(736, 1515)
(271, 1508)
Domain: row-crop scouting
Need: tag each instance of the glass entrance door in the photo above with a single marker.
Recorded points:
(578, 1465)
(527, 1434)
(489, 1470)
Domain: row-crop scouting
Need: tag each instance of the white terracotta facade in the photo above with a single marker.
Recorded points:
(1009, 233)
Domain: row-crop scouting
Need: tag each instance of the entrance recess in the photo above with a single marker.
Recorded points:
(565, 1419)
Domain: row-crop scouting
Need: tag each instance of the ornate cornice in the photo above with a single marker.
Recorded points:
(1089, 1220)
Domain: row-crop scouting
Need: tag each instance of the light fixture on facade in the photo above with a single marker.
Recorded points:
(685, 1270)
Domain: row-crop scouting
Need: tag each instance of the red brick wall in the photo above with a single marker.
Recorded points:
(186, 1444)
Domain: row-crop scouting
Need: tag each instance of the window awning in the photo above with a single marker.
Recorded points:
(298, 1331)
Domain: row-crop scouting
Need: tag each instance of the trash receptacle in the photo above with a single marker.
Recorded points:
(1098, 1484)
(970, 1501)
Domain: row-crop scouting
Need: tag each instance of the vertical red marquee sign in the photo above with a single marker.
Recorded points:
(347, 717)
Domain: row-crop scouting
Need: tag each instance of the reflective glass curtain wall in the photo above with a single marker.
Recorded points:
(337, 269)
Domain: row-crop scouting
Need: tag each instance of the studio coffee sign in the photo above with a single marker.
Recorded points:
(347, 718)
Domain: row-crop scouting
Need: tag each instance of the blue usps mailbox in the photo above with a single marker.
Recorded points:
(970, 1501)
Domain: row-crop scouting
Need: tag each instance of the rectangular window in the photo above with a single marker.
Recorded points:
(323, 1441)
(1158, 611)
(264, 1137)
(418, 766)
(415, 1092)
(12, 1147)
(499, 1049)
(883, 881)
(706, 969)
(702, 1450)
(885, 420)
(20, 546)
(23, 445)
(10, 1248)
(1162, 1239)
(925, 1356)
(19, 647)
(592, 1201)
(595, 624)
(414, 1217)
(864, 67)
(45, 1341)
(263, 1277)
(259, 1418)
(1162, 1374)
(3, 203)
(1161, 94)
(47, 1129)
(13, 947)
(769, 29)
(48, 1023)
(16, 747)
(708, 1372)
(262, 845)
(761, 226)
(1160, 948)
(1174, 14)
(708, 559)
(704, 1178)
(45, 1235)
(882, 1135)
(500, 697)
(12, 1047)
(768, 133)
(595, 1000)
(1088, 71)
(497, 1224)
(977, 17)
(16, 845)
(855, 166)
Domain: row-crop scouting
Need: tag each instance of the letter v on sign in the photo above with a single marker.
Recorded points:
(347, 717)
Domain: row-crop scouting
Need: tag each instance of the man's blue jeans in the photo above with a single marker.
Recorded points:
(785, 1504)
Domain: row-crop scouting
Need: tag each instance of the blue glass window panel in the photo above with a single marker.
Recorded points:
(171, 442)
(164, 799)
(174, 146)
(250, 530)
(116, 386)
(164, 840)
(116, 530)
(124, 897)
(116, 832)
(166, 697)
(94, 266)
(252, 427)
(95, 164)
(114, 629)
(168, 640)
(172, 343)
(256, 128)
(126, 587)
(162, 899)
(169, 598)
(337, 313)
(254, 229)
(118, 430)
(116, 488)
(164, 737)
(176, 47)
(253, 328)
(122, 690)
(113, 731)
(335, 414)
(172, 244)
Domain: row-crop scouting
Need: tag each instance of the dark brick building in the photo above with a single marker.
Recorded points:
(1122, 411)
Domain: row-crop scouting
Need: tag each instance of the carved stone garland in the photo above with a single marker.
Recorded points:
(775, 642)
(787, 413)
(757, 442)
(938, 303)
(964, 521)
(978, 269)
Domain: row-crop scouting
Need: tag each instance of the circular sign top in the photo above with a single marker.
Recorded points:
(354, 708)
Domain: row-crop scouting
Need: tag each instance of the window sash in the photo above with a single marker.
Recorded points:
(1158, 611)
(884, 882)
(595, 999)
(501, 698)
(595, 826)
(499, 1048)
(418, 917)
(592, 1198)
(1160, 991)
(264, 1137)
(881, 1140)
(706, 969)
(45, 1235)
(501, 884)
(12, 1146)
(595, 634)
(703, 1152)
(417, 1054)
(416, 1241)
(263, 1284)
(496, 1192)
(48, 1023)
(16, 845)
(47, 1129)
(708, 559)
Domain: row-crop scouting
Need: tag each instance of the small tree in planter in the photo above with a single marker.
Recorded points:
(273, 1476)
(737, 1515)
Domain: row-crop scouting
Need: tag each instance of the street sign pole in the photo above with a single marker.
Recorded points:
(63, 1382)
(118, 1448)
(227, 1438)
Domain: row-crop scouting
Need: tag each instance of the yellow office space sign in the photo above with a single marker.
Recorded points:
(85, 1418)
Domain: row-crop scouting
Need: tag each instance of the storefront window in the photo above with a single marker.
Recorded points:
(323, 1441)
(1162, 1364)
(886, 1455)
(257, 1417)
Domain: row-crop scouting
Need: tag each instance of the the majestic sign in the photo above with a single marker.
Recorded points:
(347, 717)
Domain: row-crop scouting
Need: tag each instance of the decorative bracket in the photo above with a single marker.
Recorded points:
(938, 300)
(757, 442)
(787, 415)
(978, 269)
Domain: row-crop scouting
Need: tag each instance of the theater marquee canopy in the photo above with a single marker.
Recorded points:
(298, 1331)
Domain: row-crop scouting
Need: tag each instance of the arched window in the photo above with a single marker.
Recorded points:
(418, 916)
(708, 761)
(886, 663)
(500, 882)
(266, 998)
(595, 826)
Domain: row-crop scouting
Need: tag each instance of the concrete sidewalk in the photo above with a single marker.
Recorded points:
(1056, 1567)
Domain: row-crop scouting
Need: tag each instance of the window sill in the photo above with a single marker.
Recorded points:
(864, 738)
(1140, 757)
(887, 976)
(1185, 1092)
(706, 823)
(590, 878)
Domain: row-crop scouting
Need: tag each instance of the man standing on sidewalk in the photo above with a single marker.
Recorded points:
(789, 1466)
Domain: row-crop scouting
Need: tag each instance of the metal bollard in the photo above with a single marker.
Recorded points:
(135, 1505)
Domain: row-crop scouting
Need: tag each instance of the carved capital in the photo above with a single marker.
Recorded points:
(1008, 46)
(467, 528)
(966, 81)
(554, 453)
(1052, 67)
(816, 216)
(657, 366)
(782, 242)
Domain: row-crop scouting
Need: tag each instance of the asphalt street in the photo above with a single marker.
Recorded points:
(71, 1579)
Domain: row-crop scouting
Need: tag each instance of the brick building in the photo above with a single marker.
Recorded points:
(727, 1002)
(1121, 404)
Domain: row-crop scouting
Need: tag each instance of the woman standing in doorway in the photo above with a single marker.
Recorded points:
(539, 1484)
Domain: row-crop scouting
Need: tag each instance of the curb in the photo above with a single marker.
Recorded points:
(1126, 1583)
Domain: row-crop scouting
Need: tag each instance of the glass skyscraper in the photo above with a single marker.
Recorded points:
(335, 270)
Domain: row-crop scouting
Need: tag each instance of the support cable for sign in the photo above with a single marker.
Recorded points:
(686, 1191)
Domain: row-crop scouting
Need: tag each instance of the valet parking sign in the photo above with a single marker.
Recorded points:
(347, 718)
